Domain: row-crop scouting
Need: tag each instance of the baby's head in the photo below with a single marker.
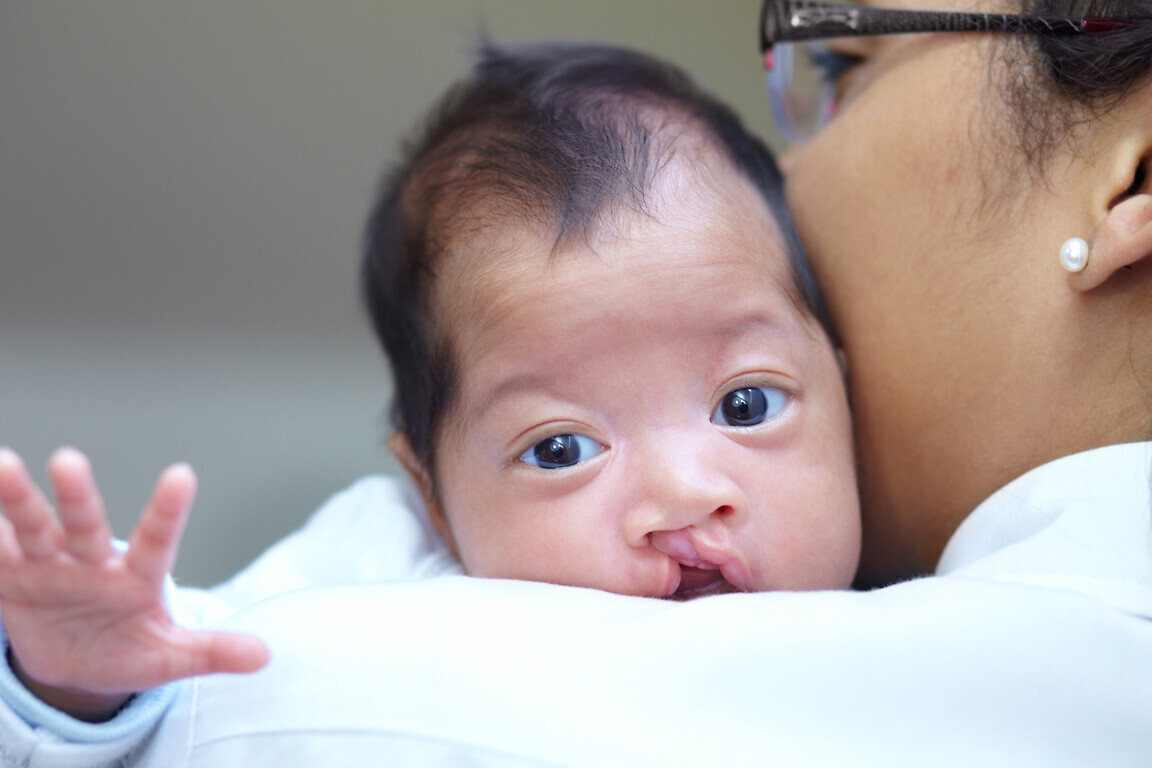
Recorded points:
(611, 369)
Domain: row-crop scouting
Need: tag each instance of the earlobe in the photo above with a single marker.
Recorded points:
(401, 448)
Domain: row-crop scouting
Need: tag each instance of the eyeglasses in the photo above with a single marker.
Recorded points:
(802, 84)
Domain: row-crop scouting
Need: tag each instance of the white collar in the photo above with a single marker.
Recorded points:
(1083, 522)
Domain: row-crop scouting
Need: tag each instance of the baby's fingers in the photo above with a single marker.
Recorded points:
(86, 531)
(34, 523)
(152, 548)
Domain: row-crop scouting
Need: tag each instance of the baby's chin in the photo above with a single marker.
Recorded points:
(699, 582)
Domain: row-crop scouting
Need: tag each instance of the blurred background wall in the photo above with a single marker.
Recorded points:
(182, 190)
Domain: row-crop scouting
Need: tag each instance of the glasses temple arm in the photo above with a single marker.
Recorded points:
(824, 21)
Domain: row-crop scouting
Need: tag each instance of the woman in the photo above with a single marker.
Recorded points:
(968, 160)
(935, 206)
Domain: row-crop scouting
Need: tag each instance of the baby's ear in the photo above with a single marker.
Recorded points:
(401, 448)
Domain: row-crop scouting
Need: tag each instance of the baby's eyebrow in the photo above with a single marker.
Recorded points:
(506, 387)
(784, 325)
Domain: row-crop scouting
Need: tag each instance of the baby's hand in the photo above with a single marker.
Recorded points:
(86, 624)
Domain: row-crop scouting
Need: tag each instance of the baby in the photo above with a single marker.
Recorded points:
(610, 364)
(610, 372)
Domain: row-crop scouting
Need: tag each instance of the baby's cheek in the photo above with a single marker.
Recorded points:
(820, 539)
(475, 552)
(841, 550)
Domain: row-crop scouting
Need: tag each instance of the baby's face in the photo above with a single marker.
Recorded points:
(650, 416)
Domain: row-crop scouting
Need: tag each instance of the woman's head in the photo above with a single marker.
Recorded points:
(933, 208)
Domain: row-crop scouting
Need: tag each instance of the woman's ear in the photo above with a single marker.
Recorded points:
(401, 448)
(1122, 241)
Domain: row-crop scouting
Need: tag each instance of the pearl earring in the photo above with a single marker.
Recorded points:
(1074, 254)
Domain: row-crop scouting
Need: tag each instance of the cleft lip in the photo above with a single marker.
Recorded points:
(698, 567)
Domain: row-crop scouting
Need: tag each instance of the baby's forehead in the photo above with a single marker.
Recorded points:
(492, 251)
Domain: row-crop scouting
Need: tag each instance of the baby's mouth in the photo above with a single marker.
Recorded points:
(702, 568)
(701, 582)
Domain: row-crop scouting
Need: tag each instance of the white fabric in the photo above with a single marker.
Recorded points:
(375, 530)
(1083, 522)
(1032, 648)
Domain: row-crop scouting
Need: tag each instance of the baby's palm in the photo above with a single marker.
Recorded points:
(87, 624)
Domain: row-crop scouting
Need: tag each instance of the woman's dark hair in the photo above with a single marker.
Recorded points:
(560, 134)
(1072, 80)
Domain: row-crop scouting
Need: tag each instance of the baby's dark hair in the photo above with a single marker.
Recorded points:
(562, 135)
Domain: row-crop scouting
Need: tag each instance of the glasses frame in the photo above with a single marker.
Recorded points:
(795, 20)
(791, 21)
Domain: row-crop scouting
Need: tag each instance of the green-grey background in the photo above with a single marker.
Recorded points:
(182, 190)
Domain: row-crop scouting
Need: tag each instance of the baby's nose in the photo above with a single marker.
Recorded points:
(678, 545)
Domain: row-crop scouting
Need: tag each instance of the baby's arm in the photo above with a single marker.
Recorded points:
(87, 624)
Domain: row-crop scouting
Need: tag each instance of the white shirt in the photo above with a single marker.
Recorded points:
(1031, 647)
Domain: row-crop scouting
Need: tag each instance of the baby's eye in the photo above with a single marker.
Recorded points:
(561, 451)
(749, 406)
